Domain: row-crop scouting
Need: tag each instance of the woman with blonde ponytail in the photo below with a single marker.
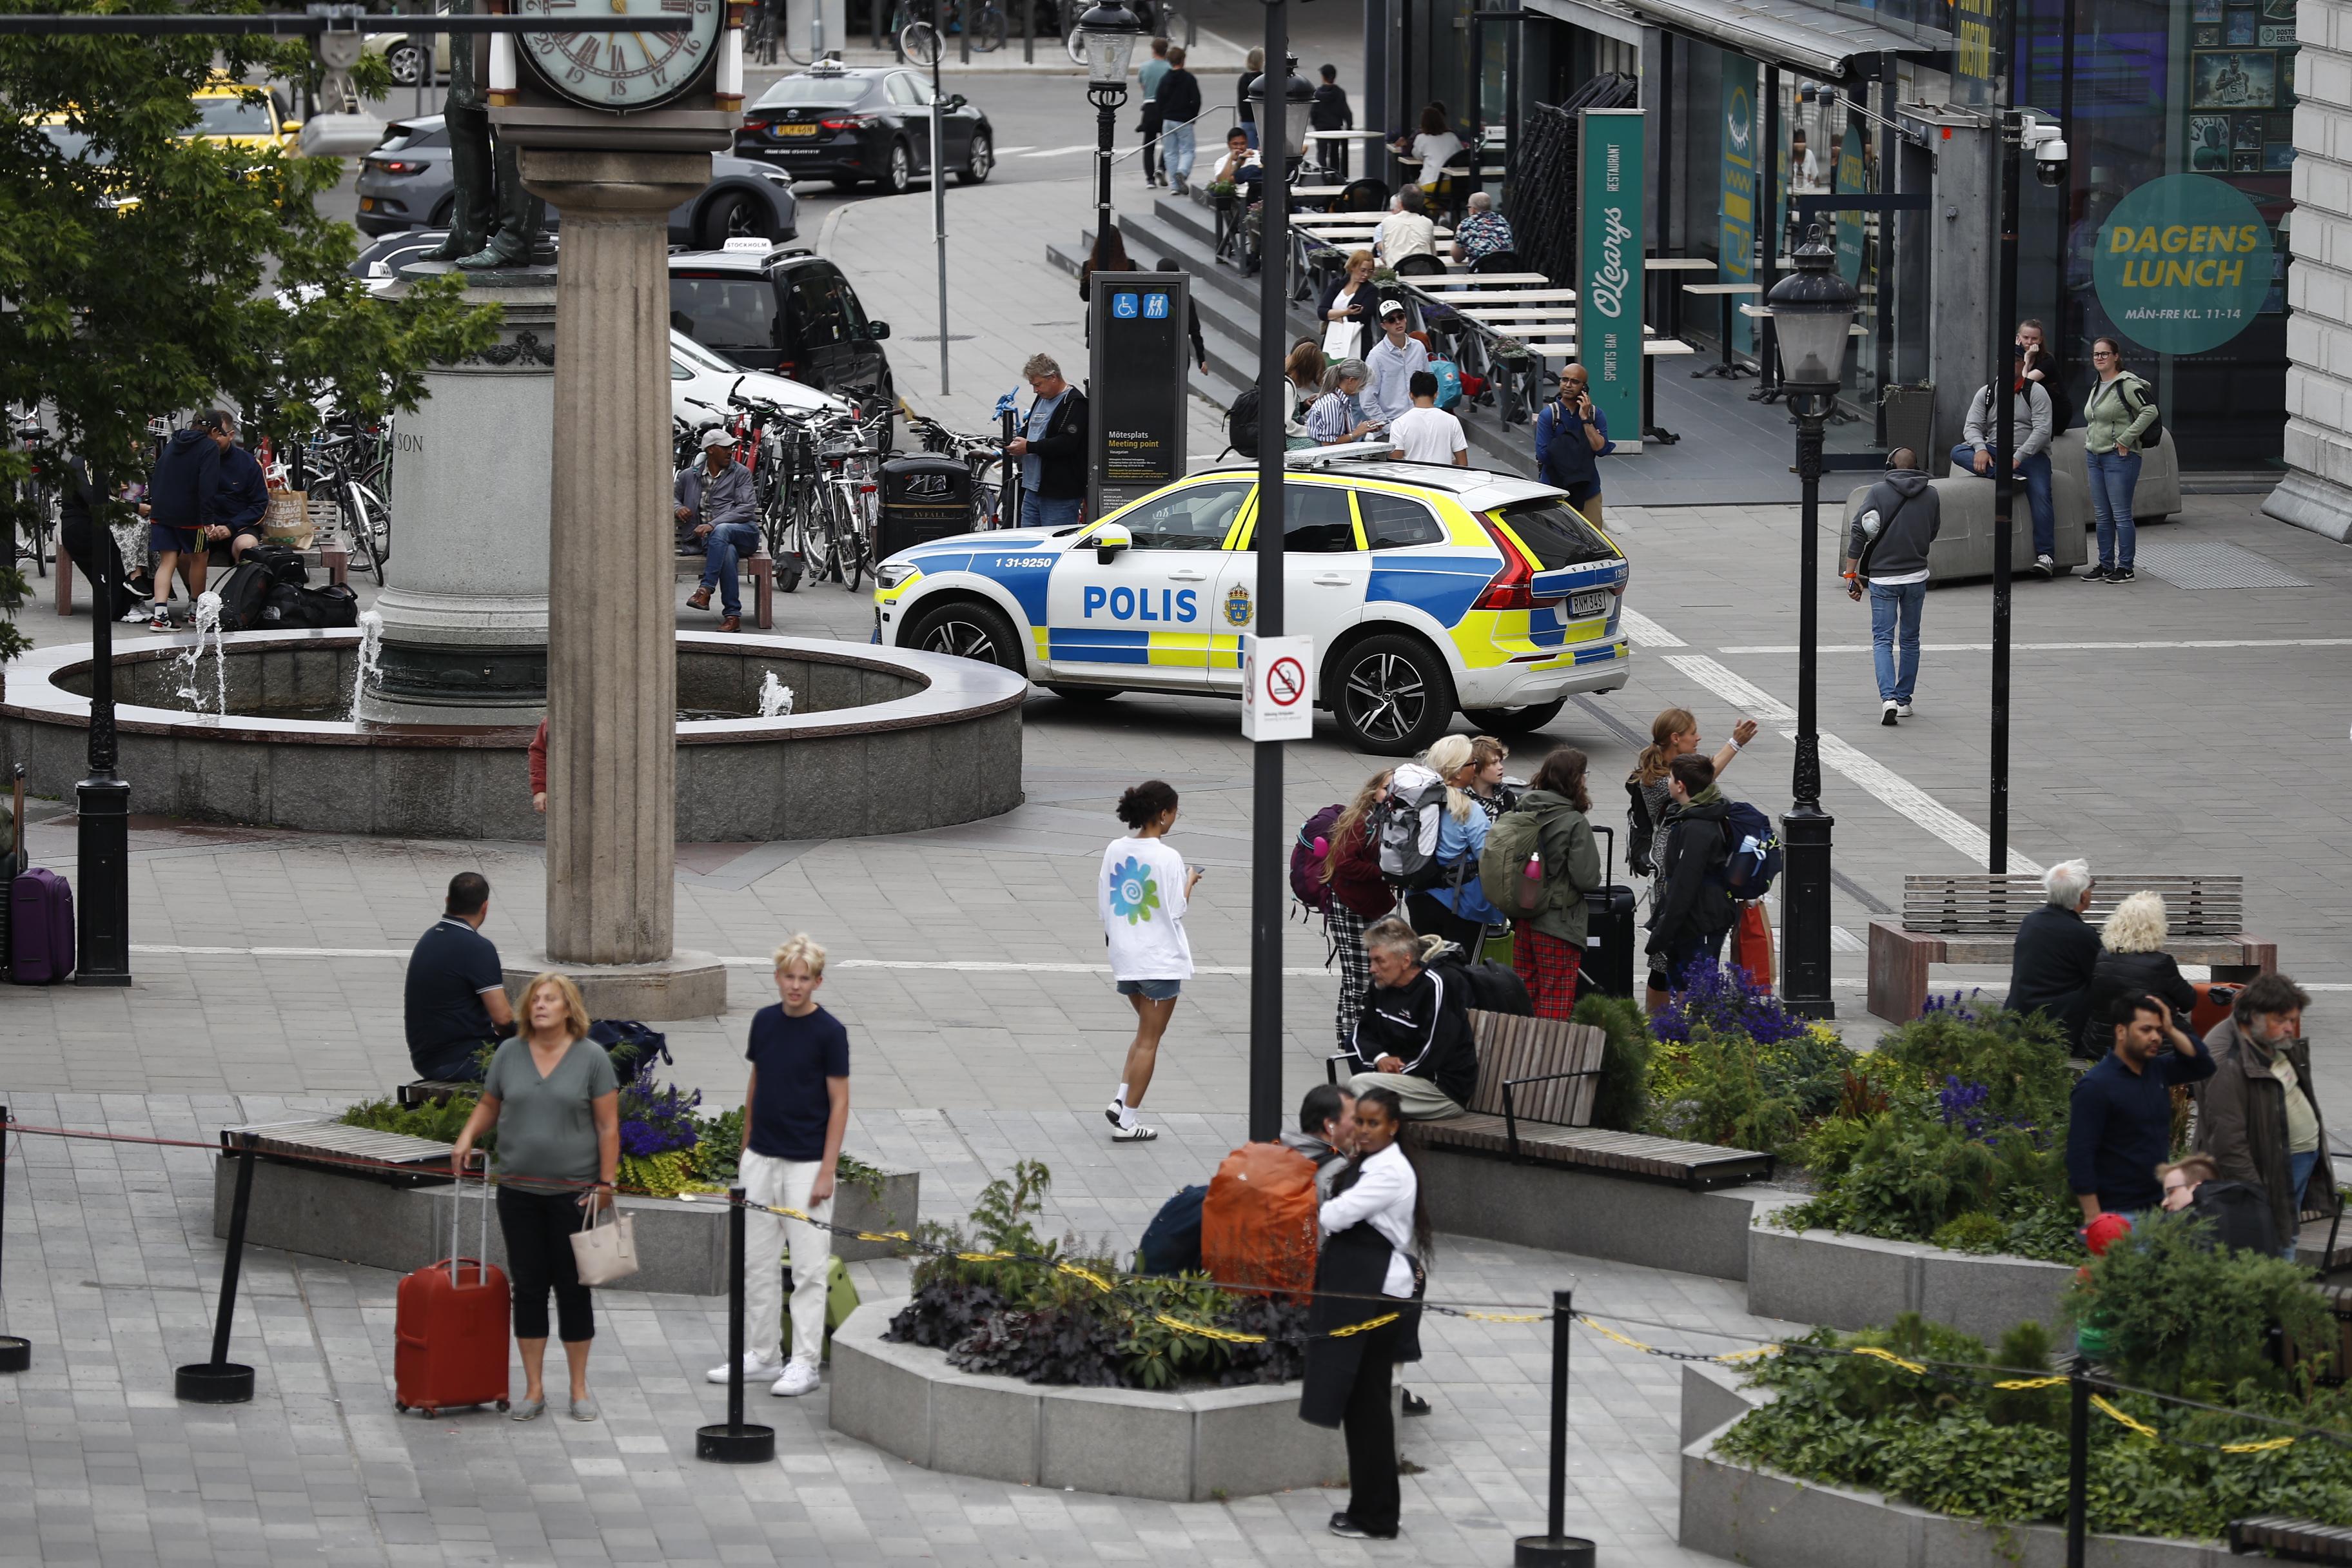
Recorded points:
(1456, 909)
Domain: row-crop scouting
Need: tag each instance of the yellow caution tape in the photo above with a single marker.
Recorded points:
(1507, 1317)
(983, 1257)
(2262, 1447)
(1365, 1327)
(1758, 1354)
(883, 1236)
(1204, 1332)
(2024, 1382)
(1606, 1332)
(1088, 1275)
(2142, 1427)
(1890, 1356)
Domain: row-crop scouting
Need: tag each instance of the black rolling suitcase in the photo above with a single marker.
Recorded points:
(1610, 942)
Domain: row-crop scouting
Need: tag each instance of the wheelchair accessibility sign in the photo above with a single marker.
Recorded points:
(1123, 306)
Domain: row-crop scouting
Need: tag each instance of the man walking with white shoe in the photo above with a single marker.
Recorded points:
(1886, 551)
(795, 1111)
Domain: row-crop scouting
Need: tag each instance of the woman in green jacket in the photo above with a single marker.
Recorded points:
(1549, 948)
(2118, 414)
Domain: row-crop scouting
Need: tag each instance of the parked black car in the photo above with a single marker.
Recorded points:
(406, 183)
(786, 311)
(851, 124)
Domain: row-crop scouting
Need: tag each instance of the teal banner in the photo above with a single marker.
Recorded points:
(1736, 242)
(1610, 234)
(2183, 264)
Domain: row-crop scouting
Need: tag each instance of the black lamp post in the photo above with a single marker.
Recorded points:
(103, 802)
(1268, 826)
(1108, 32)
(1812, 310)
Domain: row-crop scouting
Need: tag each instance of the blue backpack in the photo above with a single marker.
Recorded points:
(1449, 381)
(1752, 852)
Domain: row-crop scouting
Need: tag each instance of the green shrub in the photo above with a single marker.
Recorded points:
(2025, 1351)
(1718, 1096)
(1975, 1231)
(2018, 1058)
(1622, 1100)
(441, 1122)
(2185, 1318)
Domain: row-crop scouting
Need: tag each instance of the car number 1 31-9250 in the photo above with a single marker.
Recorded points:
(1020, 562)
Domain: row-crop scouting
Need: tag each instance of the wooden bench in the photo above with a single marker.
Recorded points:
(432, 1091)
(2291, 1540)
(1537, 1081)
(1973, 919)
(323, 1141)
(332, 556)
(761, 568)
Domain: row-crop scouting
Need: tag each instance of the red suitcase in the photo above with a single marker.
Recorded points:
(2214, 1000)
(449, 1331)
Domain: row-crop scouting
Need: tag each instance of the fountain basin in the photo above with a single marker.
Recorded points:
(880, 741)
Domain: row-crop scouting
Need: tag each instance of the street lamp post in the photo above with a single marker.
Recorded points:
(1268, 827)
(1813, 308)
(1107, 34)
(102, 801)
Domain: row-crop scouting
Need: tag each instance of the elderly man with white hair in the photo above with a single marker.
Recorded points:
(1483, 231)
(2056, 951)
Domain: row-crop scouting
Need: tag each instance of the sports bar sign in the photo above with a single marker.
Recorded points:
(1610, 233)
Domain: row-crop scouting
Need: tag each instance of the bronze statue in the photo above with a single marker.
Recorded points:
(493, 223)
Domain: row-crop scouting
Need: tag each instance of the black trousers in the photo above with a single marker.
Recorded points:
(1431, 918)
(538, 1226)
(1373, 1501)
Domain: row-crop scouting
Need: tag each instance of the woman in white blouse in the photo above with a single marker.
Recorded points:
(1375, 1240)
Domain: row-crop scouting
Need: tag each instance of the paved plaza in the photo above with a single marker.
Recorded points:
(2175, 724)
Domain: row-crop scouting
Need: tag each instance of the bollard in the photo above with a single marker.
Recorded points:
(732, 1442)
(1556, 1549)
(15, 1353)
(221, 1381)
(2078, 1460)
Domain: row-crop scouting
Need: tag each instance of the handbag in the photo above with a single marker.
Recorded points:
(604, 1253)
(1751, 943)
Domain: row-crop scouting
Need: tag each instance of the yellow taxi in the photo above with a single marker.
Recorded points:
(1428, 590)
(237, 115)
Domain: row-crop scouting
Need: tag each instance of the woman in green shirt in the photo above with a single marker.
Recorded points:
(553, 1097)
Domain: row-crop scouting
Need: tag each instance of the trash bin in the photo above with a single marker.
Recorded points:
(1911, 421)
(925, 496)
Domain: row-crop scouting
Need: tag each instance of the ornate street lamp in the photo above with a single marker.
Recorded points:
(1298, 109)
(1813, 309)
(1107, 34)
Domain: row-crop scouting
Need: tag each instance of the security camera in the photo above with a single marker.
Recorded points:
(2048, 145)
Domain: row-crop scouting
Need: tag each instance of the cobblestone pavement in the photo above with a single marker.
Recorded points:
(113, 1273)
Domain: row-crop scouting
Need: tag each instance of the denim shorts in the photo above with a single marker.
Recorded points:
(1151, 990)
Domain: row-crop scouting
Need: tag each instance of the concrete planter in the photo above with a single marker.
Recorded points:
(1177, 1447)
(1855, 1281)
(681, 1247)
(1766, 1520)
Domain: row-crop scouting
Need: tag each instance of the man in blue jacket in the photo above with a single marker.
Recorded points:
(1570, 433)
(2119, 1120)
(182, 494)
(240, 496)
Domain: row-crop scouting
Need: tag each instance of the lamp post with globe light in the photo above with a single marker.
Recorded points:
(1107, 34)
(1813, 309)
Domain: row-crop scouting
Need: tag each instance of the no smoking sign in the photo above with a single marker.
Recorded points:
(1278, 685)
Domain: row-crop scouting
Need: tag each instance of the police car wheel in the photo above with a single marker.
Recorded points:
(967, 630)
(1068, 693)
(1393, 696)
(1515, 721)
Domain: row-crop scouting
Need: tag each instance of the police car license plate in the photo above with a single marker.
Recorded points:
(1588, 607)
(796, 130)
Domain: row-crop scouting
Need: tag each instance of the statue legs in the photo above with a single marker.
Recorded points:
(520, 217)
(474, 202)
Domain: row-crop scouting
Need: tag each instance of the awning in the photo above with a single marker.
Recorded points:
(1803, 37)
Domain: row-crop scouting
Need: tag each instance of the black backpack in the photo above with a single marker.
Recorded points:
(1241, 423)
(283, 564)
(1172, 1242)
(291, 608)
(1641, 832)
(244, 597)
(2153, 437)
(2238, 1214)
(1483, 984)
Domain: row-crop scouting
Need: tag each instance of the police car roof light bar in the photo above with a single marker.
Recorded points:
(1345, 452)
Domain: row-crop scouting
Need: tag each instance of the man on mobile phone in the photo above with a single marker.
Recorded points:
(1570, 433)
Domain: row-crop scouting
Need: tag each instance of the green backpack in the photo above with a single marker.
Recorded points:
(1503, 866)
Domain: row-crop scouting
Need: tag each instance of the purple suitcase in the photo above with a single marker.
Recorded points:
(40, 929)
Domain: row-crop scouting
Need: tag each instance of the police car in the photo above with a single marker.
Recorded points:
(1427, 589)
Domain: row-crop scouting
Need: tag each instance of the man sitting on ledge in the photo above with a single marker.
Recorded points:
(456, 997)
(717, 513)
(1414, 1036)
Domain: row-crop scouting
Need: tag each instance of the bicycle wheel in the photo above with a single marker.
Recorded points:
(815, 526)
(1075, 41)
(988, 32)
(359, 530)
(919, 44)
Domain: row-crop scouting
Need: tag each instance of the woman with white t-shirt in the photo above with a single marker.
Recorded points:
(1141, 894)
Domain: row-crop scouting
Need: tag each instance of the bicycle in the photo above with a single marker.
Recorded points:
(984, 455)
(36, 497)
(354, 466)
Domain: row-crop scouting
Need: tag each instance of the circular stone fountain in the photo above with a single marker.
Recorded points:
(258, 731)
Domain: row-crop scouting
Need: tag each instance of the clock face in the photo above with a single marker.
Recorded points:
(626, 70)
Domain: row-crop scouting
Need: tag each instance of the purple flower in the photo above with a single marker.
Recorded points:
(1727, 1001)
(656, 1121)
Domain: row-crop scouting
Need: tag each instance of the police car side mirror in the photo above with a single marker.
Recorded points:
(1110, 539)
(877, 331)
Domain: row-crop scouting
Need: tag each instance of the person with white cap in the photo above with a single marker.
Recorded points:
(717, 511)
(1392, 364)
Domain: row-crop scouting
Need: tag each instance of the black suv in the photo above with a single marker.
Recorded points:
(781, 310)
(851, 124)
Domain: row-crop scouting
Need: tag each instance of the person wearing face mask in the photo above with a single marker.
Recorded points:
(2258, 1115)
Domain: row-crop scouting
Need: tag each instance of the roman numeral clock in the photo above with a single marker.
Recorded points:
(632, 88)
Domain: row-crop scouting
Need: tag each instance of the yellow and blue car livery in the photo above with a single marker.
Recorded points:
(1427, 590)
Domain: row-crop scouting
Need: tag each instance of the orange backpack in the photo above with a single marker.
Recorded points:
(1258, 1222)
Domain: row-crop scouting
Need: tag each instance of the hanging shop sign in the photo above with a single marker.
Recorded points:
(1852, 180)
(1611, 236)
(2183, 264)
(1736, 241)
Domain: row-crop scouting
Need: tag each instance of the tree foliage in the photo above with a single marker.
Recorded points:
(146, 272)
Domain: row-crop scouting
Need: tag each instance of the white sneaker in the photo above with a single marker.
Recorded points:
(2046, 567)
(1116, 1113)
(1887, 715)
(1903, 709)
(753, 1369)
(1133, 1133)
(799, 1378)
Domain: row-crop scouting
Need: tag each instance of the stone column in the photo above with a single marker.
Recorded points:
(2316, 494)
(465, 606)
(612, 689)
